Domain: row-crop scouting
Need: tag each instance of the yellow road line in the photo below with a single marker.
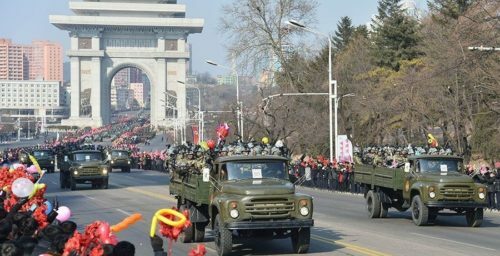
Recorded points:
(349, 246)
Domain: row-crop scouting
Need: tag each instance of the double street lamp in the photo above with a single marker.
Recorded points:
(238, 102)
(331, 97)
(200, 112)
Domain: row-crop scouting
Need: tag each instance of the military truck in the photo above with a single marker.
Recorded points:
(119, 159)
(428, 185)
(44, 157)
(243, 197)
(84, 166)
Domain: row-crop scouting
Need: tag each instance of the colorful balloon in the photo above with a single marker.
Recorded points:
(63, 214)
(49, 207)
(22, 187)
(265, 140)
(211, 144)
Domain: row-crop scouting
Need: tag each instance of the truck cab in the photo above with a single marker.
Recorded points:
(119, 159)
(246, 197)
(84, 166)
(44, 157)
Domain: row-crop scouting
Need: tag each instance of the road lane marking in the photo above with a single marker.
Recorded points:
(151, 194)
(124, 212)
(452, 241)
(349, 246)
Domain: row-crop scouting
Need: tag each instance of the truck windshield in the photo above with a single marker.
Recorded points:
(242, 170)
(119, 153)
(86, 157)
(438, 166)
(38, 154)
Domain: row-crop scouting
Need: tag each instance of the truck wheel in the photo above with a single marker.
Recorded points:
(419, 211)
(199, 232)
(373, 204)
(62, 180)
(105, 184)
(72, 184)
(384, 209)
(474, 217)
(301, 238)
(187, 234)
(223, 238)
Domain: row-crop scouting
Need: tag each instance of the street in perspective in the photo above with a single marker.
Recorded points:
(271, 127)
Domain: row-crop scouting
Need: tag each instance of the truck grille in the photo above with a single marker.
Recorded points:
(89, 171)
(269, 207)
(456, 192)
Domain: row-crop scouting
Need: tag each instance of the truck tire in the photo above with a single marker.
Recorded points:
(62, 181)
(384, 209)
(419, 211)
(373, 204)
(105, 184)
(301, 238)
(223, 238)
(187, 234)
(199, 232)
(474, 217)
(72, 184)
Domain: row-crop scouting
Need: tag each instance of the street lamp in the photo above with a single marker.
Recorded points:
(238, 103)
(200, 112)
(331, 82)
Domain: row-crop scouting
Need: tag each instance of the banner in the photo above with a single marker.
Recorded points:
(196, 134)
(345, 149)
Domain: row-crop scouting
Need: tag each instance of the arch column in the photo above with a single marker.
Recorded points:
(75, 88)
(97, 98)
(158, 90)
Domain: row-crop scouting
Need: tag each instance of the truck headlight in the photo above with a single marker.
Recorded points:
(432, 194)
(304, 211)
(112, 161)
(234, 213)
(104, 171)
(128, 161)
(51, 162)
(481, 193)
(75, 172)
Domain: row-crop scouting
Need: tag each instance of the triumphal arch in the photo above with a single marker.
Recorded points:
(109, 35)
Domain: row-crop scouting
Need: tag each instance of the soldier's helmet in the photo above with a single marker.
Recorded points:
(257, 150)
(279, 144)
(265, 151)
(275, 151)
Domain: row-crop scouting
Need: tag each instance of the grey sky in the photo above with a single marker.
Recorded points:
(26, 20)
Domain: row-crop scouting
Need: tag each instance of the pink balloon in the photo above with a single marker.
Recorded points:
(63, 213)
(104, 231)
(32, 169)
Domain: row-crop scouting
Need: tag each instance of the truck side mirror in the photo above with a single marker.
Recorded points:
(407, 167)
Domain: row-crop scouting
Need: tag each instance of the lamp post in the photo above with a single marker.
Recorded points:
(331, 97)
(200, 112)
(238, 103)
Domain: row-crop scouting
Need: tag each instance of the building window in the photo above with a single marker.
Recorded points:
(84, 43)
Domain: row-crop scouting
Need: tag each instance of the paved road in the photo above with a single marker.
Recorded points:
(341, 225)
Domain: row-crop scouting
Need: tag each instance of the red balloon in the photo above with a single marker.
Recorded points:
(211, 144)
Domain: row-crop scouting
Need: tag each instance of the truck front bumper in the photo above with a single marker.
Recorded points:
(86, 178)
(269, 224)
(452, 204)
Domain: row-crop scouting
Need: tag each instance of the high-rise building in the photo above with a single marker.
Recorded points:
(138, 93)
(40, 61)
(11, 60)
(135, 75)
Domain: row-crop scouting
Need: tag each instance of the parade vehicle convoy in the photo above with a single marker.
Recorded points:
(429, 185)
(84, 166)
(119, 159)
(243, 197)
(44, 157)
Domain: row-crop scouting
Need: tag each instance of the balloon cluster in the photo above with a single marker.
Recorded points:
(222, 131)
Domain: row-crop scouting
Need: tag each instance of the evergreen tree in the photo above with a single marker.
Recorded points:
(360, 30)
(395, 35)
(343, 34)
(450, 8)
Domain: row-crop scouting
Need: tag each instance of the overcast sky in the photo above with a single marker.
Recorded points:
(27, 20)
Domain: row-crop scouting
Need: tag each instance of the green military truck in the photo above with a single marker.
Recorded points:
(84, 166)
(427, 185)
(119, 159)
(244, 197)
(44, 157)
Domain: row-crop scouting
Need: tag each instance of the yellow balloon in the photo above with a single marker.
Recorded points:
(204, 145)
(265, 140)
(181, 220)
(37, 187)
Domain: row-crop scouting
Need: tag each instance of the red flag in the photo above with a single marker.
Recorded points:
(196, 134)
